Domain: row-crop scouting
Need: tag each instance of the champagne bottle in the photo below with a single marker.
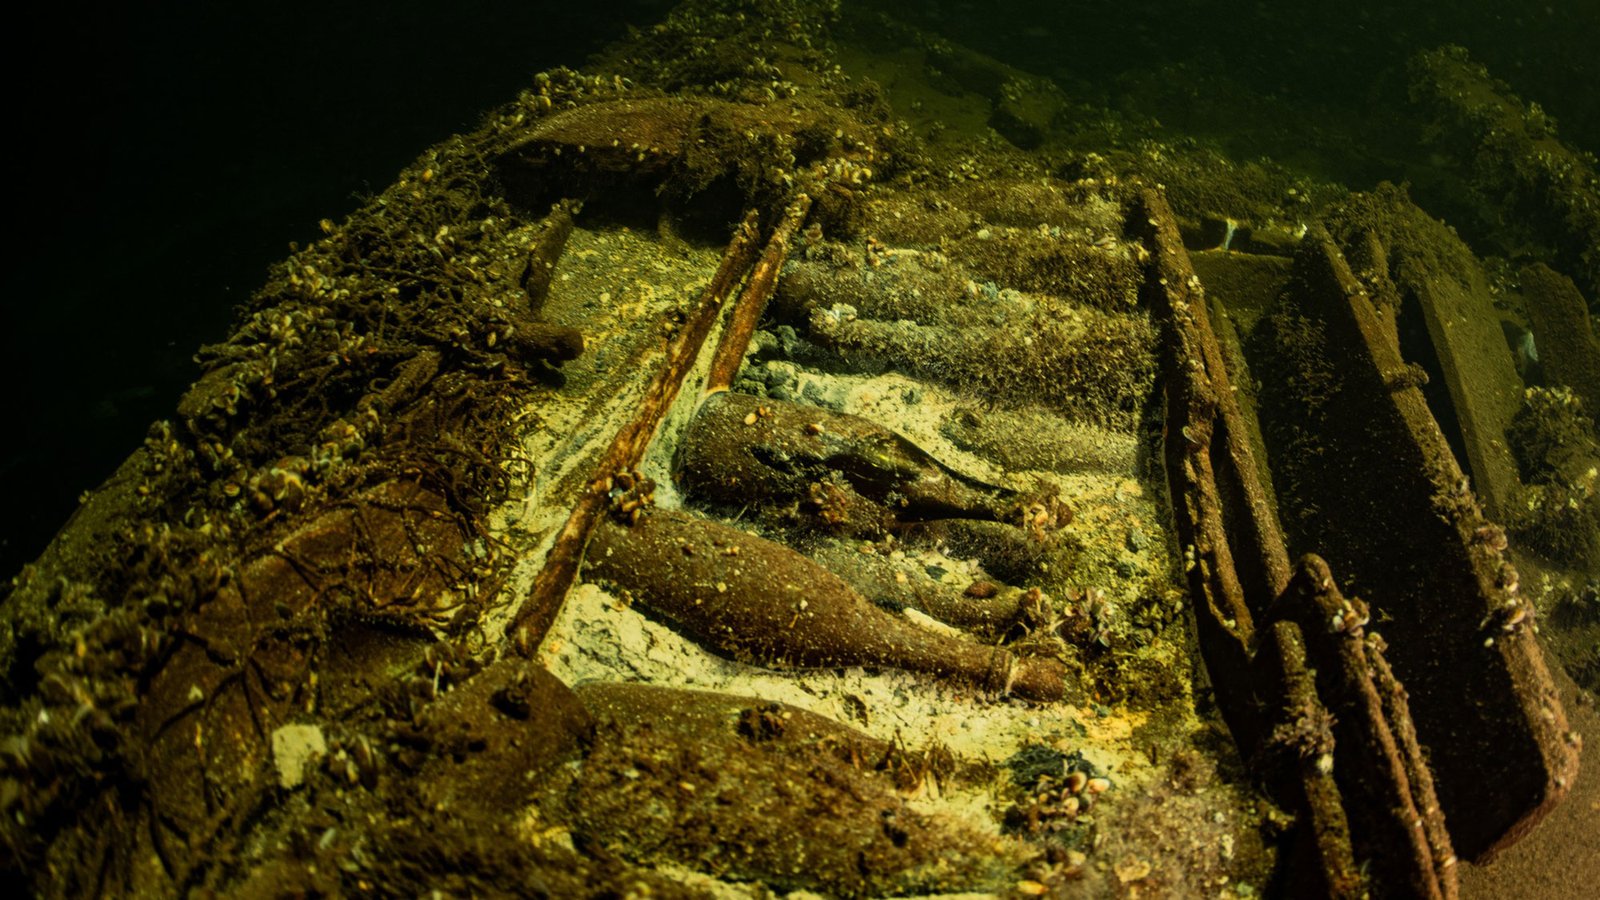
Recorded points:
(760, 602)
(766, 792)
(742, 449)
(1006, 551)
(984, 607)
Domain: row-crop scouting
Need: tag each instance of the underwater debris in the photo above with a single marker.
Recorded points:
(364, 528)
(762, 602)
(856, 475)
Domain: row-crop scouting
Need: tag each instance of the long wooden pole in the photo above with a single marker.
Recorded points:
(543, 604)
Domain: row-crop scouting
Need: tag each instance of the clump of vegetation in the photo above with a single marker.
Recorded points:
(1558, 514)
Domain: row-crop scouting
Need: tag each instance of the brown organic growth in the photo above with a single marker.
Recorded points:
(781, 457)
(763, 603)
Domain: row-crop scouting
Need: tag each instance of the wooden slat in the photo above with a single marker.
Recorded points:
(543, 604)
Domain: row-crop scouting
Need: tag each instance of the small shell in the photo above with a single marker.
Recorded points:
(982, 590)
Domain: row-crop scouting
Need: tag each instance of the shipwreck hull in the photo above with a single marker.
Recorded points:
(680, 483)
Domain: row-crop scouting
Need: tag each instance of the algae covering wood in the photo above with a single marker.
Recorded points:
(623, 454)
(320, 546)
(1456, 623)
(1563, 336)
(306, 549)
(1435, 300)
(693, 612)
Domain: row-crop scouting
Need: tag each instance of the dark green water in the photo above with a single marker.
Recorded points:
(1344, 55)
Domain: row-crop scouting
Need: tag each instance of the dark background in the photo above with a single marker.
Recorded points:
(163, 155)
(1343, 52)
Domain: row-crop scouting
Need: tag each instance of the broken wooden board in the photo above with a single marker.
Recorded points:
(1433, 296)
(1278, 676)
(1369, 481)
(1567, 347)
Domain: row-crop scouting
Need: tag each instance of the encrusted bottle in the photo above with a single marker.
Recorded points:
(760, 602)
(852, 473)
